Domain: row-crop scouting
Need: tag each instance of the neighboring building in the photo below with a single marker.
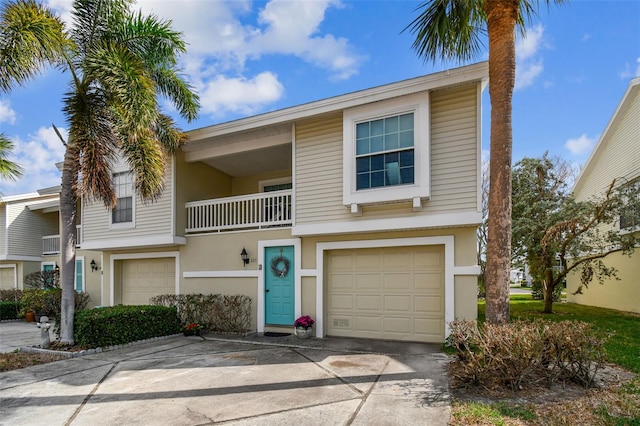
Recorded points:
(616, 156)
(30, 241)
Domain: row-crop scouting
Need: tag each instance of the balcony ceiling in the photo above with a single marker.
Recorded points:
(253, 162)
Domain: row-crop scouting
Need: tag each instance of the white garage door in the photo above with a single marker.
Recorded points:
(145, 278)
(394, 293)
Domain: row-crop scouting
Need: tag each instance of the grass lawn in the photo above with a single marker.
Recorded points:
(614, 406)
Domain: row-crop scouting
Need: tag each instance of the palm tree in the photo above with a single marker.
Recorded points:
(119, 63)
(8, 169)
(453, 30)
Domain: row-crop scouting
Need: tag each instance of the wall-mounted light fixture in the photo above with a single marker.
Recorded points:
(245, 256)
(94, 265)
(57, 268)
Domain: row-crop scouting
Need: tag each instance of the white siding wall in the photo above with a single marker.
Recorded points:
(618, 157)
(454, 162)
(26, 228)
(152, 218)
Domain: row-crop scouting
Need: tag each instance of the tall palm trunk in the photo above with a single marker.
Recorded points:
(67, 247)
(502, 17)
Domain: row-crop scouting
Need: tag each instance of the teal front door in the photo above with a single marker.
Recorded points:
(279, 278)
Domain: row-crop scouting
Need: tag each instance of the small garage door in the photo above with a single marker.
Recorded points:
(145, 278)
(7, 279)
(394, 293)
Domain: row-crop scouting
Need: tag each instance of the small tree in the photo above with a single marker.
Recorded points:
(556, 234)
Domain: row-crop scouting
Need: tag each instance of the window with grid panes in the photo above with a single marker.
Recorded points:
(385, 152)
(123, 187)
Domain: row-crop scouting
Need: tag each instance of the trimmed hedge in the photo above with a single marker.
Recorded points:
(9, 310)
(118, 325)
(219, 313)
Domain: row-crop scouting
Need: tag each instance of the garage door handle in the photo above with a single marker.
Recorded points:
(266, 291)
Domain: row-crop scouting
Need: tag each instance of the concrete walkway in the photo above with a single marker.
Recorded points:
(254, 380)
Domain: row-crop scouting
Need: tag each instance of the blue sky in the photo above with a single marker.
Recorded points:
(248, 57)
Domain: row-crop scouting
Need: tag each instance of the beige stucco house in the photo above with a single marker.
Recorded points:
(359, 210)
(30, 241)
(616, 156)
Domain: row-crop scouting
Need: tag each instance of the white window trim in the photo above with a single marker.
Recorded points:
(125, 225)
(43, 264)
(417, 103)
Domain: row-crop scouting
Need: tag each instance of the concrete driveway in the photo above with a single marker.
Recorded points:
(253, 380)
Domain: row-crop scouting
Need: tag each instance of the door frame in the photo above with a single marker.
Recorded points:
(297, 281)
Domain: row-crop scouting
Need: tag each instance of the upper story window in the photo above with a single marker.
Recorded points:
(386, 155)
(630, 215)
(123, 187)
(384, 152)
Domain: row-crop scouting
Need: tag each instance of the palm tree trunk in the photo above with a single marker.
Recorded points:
(67, 248)
(501, 21)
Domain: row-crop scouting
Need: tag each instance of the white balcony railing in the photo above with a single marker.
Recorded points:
(255, 211)
(51, 243)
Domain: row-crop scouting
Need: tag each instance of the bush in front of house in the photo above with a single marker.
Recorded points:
(526, 352)
(218, 313)
(117, 325)
(49, 302)
(537, 291)
(10, 295)
(9, 310)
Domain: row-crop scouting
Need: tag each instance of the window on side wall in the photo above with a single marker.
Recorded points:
(630, 215)
(123, 187)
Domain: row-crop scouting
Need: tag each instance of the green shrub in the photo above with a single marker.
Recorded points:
(526, 352)
(9, 310)
(537, 292)
(10, 295)
(43, 280)
(118, 325)
(216, 312)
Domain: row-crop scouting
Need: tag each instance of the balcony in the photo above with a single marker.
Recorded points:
(51, 243)
(255, 211)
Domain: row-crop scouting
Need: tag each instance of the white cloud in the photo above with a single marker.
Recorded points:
(7, 115)
(240, 95)
(580, 145)
(629, 72)
(38, 156)
(529, 65)
(222, 36)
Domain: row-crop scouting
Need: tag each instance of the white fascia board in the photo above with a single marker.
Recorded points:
(21, 258)
(475, 72)
(52, 205)
(19, 197)
(394, 224)
(134, 242)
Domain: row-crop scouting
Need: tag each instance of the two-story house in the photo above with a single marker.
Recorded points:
(359, 210)
(616, 156)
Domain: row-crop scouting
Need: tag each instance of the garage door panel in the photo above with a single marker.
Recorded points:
(341, 301)
(341, 281)
(367, 323)
(429, 281)
(368, 281)
(431, 304)
(369, 302)
(388, 293)
(402, 304)
(398, 281)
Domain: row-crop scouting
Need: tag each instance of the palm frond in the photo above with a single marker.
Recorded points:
(181, 94)
(8, 169)
(449, 29)
(147, 161)
(168, 134)
(31, 37)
